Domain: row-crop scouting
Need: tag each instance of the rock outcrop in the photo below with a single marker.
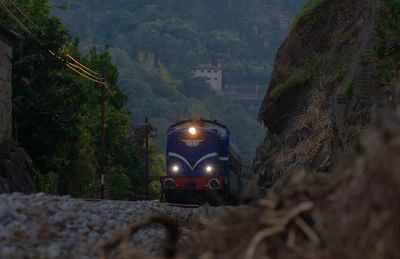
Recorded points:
(16, 171)
(323, 89)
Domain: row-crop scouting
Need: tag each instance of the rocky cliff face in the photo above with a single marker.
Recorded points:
(323, 89)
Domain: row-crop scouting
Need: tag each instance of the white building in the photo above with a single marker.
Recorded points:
(212, 73)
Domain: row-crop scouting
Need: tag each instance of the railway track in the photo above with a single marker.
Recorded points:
(182, 205)
(157, 201)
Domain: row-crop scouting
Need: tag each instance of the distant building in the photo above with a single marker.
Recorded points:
(243, 92)
(8, 39)
(212, 73)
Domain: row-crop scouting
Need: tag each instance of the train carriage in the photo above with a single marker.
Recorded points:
(202, 166)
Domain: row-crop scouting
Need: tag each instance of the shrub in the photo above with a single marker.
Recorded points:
(118, 185)
(307, 9)
(347, 89)
(298, 78)
(340, 73)
(48, 183)
(155, 189)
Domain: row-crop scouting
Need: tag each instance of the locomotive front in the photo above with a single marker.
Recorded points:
(197, 161)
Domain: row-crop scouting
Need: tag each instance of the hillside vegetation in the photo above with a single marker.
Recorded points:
(156, 44)
(57, 113)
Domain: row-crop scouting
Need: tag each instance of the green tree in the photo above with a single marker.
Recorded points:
(57, 112)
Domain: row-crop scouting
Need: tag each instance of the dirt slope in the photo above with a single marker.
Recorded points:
(323, 90)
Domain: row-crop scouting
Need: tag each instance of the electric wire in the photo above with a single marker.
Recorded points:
(24, 27)
(37, 27)
(14, 18)
(26, 16)
(77, 67)
(85, 76)
(83, 70)
(76, 61)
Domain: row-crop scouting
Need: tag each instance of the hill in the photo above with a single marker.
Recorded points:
(156, 44)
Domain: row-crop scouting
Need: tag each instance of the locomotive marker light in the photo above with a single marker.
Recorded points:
(175, 169)
(192, 131)
(209, 169)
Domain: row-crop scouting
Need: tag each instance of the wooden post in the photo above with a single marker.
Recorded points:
(147, 157)
(102, 138)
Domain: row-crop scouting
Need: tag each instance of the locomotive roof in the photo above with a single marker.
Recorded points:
(199, 121)
(223, 131)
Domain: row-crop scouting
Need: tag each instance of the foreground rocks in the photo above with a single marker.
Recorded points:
(41, 226)
(15, 170)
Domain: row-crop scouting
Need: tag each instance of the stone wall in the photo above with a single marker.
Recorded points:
(15, 164)
(5, 92)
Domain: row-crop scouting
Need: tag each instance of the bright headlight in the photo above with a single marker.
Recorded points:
(209, 169)
(192, 131)
(175, 169)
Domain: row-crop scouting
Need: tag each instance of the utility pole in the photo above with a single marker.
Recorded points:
(102, 137)
(147, 156)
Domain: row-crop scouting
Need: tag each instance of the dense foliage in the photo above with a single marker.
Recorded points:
(156, 43)
(388, 40)
(57, 113)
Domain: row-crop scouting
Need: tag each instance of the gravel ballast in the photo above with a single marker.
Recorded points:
(43, 226)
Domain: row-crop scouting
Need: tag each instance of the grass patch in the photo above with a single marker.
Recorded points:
(347, 89)
(386, 73)
(307, 9)
(298, 78)
(364, 59)
(340, 73)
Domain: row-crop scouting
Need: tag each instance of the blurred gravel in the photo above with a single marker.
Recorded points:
(42, 226)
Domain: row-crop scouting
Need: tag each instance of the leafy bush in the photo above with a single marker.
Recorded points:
(298, 78)
(307, 9)
(155, 189)
(118, 184)
(347, 89)
(48, 183)
(340, 73)
(387, 47)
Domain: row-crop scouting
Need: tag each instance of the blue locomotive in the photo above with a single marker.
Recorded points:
(202, 166)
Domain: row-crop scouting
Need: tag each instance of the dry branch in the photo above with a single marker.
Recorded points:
(278, 227)
(170, 246)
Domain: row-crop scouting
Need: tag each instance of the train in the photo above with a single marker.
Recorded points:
(202, 166)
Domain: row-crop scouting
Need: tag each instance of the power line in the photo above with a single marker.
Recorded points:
(26, 17)
(75, 65)
(76, 69)
(82, 70)
(69, 65)
(14, 18)
(94, 72)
